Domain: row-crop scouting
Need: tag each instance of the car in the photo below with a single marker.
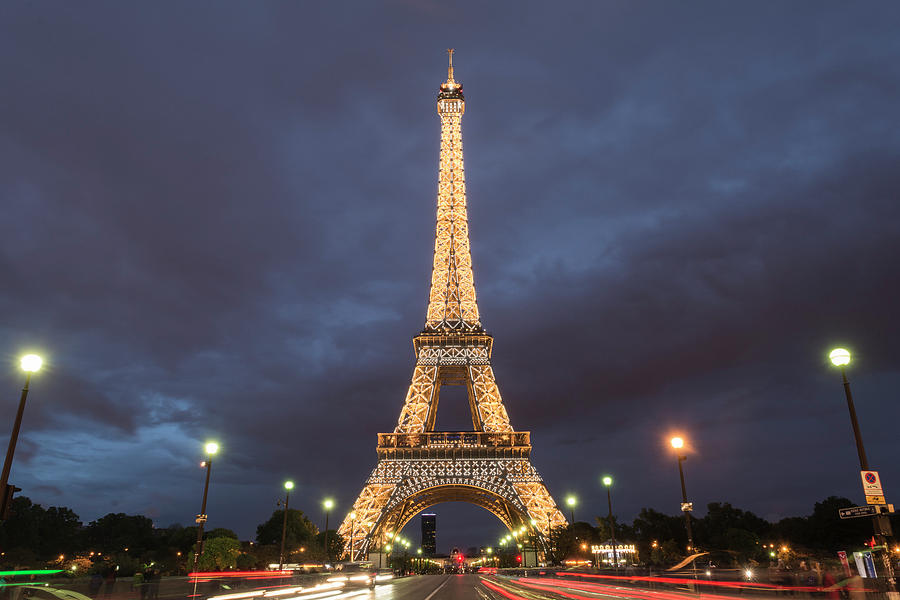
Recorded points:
(354, 574)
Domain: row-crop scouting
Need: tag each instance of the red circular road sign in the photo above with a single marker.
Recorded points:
(870, 478)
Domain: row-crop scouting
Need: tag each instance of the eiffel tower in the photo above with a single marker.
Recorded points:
(418, 466)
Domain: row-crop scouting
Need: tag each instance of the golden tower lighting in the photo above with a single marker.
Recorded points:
(490, 465)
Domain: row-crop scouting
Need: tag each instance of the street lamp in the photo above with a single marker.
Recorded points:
(328, 504)
(840, 357)
(572, 501)
(30, 363)
(211, 449)
(686, 507)
(607, 481)
(288, 486)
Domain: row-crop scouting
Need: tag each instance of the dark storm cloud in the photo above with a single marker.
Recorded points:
(217, 221)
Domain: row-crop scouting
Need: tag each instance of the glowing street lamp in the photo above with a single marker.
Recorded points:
(288, 486)
(572, 501)
(328, 504)
(211, 448)
(840, 357)
(30, 363)
(686, 507)
(607, 481)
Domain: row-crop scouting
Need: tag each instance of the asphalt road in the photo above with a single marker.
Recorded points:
(482, 587)
(487, 587)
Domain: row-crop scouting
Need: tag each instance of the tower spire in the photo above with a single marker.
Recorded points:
(450, 67)
(451, 303)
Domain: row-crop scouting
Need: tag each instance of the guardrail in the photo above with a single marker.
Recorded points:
(456, 439)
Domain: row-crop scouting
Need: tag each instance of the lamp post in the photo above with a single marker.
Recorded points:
(549, 539)
(686, 507)
(288, 486)
(328, 504)
(352, 525)
(211, 449)
(30, 363)
(572, 501)
(607, 481)
(840, 357)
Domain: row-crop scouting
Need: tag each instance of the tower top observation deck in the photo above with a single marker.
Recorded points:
(451, 89)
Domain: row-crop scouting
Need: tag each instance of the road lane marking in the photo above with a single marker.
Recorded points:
(446, 581)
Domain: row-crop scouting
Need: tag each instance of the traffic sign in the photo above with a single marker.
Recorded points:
(875, 500)
(871, 483)
(857, 511)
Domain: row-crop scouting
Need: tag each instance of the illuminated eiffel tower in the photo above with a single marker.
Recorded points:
(418, 466)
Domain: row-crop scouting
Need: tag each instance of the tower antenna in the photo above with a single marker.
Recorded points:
(450, 68)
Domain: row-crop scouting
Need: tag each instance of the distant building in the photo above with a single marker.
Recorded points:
(429, 534)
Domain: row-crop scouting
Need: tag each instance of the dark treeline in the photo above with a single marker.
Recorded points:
(734, 535)
(55, 537)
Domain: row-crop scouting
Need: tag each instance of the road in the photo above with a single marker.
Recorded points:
(565, 586)
(490, 587)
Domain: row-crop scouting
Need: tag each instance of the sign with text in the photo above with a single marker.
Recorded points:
(875, 500)
(871, 483)
(857, 511)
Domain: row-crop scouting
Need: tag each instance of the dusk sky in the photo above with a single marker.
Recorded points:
(218, 223)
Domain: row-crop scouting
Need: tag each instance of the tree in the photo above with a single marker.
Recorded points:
(335, 544)
(115, 532)
(732, 529)
(219, 554)
(47, 532)
(826, 531)
(653, 526)
(220, 532)
(300, 530)
(569, 540)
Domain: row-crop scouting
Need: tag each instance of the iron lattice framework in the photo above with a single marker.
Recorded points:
(417, 466)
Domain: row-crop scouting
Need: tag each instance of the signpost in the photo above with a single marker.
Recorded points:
(871, 483)
(858, 511)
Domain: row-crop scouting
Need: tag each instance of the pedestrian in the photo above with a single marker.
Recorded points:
(155, 576)
(829, 586)
(110, 579)
(95, 584)
(138, 585)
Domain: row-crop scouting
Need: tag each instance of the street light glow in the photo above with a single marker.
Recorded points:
(571, 500)
(677, 442)
(607, 480)
(328, 504)
(840, 357)
(31, 363)
(211, 448)
(288, 485)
